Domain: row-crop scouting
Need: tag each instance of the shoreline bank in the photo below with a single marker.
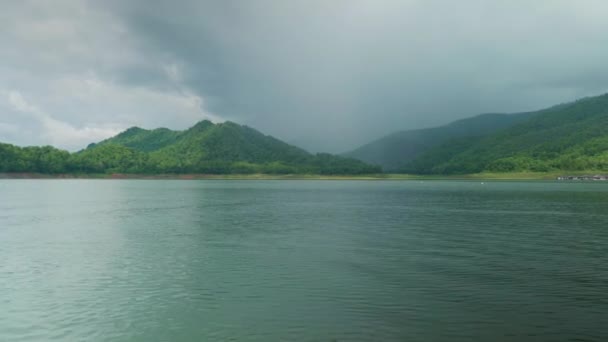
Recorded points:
(478, 176)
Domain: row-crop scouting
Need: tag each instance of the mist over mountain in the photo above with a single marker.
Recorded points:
(394, 151)
(569, 137)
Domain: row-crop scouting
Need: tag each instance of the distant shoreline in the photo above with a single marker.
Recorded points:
(119, 176)
(478, 176)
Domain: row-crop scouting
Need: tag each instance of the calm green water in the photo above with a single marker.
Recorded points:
(105, 260)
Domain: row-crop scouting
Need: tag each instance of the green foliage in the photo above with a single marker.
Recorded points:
(143, 140)
(206, 148)
(109, 158)
(44, 159)
(396, 151)
(567, 137)
(327, 164)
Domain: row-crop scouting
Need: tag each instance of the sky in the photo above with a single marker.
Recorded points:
(326, 75)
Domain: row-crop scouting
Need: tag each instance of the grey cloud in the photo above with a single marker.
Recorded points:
(86, 75)
(341, 72)
(327, 75)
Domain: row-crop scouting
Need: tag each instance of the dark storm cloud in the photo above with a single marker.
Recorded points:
(325, 74)
(341, 72)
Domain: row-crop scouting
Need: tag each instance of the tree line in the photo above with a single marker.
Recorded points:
(120, 159)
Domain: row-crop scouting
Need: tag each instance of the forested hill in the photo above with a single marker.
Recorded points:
(393, 152)
(205, 148)
(568, 137)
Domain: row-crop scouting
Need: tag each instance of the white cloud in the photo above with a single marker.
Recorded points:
(65, 74)
(94, 97)
(177, 108)
(56, 132)
(18, 102)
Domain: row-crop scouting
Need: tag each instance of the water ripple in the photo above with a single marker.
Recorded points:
(302, 261)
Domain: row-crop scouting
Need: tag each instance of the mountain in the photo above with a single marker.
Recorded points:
(205, 148)
(142, 139)
(393, 152)
(568, 137)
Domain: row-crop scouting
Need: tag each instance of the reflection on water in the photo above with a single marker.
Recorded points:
(302, 261)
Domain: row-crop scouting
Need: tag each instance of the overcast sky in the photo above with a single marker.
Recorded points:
(324, 74)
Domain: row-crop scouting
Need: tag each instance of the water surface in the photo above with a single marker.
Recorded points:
(129, 260)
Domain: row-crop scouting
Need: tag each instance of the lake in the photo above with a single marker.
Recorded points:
(161, 260)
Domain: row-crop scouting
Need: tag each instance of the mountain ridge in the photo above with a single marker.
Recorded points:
(223, 148)
(393, 151)
(570, 137)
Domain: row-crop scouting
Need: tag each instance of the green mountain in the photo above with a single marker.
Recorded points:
(143, 140)
(568, 137)
(205, 148)
(393, 152)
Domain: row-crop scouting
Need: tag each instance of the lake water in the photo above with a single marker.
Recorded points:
(104, 260)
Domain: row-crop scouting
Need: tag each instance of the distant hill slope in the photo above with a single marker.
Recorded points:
(225, 148)
(142, 139)
(572, 136)
(395, 151)
(211, 148)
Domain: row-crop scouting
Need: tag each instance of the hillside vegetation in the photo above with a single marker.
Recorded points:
(226, 148)
(393, 152)
(571, 137)
(567, 137)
